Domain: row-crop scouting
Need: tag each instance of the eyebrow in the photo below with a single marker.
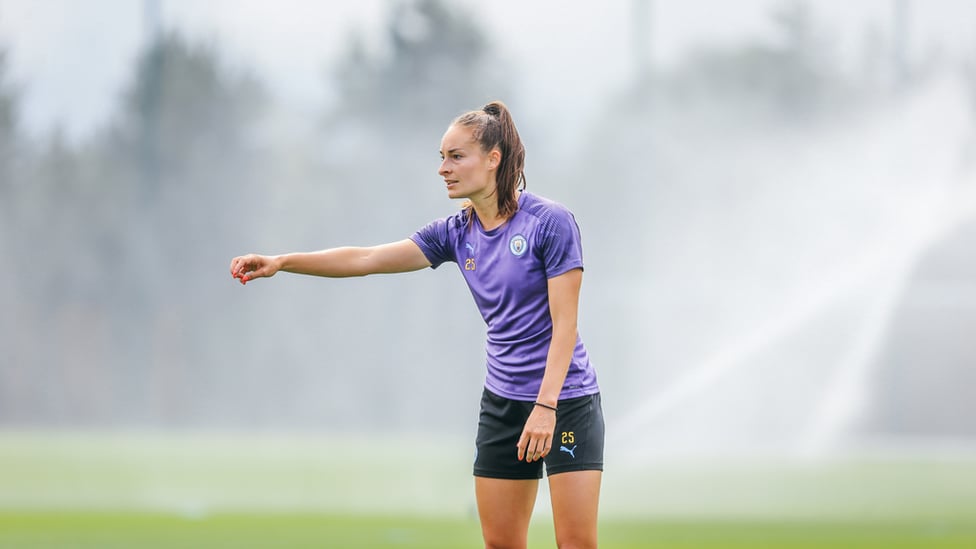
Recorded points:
(454, 150)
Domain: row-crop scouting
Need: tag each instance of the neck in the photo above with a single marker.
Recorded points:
(486, 208)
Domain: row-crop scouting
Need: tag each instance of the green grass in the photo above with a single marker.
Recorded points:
(153, 531)
(165, 490)
(52, 530)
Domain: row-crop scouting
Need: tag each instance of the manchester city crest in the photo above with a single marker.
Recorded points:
(518, 245)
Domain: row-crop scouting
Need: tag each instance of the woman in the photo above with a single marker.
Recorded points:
(522, 259)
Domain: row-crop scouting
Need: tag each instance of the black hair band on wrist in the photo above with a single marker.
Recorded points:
(553, 408)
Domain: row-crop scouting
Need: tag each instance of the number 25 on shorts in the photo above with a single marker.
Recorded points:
(568, 437)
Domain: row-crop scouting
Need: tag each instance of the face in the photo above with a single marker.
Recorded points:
(468, 171)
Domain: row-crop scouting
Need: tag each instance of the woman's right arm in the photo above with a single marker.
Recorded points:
(395, 257)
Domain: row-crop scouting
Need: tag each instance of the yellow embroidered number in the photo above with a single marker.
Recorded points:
(568, 437)
(469, 264)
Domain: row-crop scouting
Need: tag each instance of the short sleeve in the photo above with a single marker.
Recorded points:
(434, 241)
(561, 248)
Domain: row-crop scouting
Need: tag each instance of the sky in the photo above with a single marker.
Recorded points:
(566, 53)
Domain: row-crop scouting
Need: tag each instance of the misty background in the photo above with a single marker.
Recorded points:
(778, 227)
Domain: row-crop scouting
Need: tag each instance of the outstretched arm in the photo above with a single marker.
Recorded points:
(395, 257)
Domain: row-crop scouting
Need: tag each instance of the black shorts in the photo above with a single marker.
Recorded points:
(577, 443)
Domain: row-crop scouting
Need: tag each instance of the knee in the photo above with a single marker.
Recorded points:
(574, 545)
(505, 542)
(576, 542)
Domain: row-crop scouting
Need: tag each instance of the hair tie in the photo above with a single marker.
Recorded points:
(546, 406)
(492, 109)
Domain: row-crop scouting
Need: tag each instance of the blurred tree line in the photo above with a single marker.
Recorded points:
(118, 308)
(117, 314)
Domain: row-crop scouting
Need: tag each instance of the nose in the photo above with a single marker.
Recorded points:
(442, 171)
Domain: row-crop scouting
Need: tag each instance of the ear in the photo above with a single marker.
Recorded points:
(494, 158)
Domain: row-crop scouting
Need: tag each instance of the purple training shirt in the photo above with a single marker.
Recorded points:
(507, 270)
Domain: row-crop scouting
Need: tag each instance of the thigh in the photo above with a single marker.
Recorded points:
(505, 508)
(575, 502)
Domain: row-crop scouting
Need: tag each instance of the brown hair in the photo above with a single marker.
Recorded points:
(493, 127)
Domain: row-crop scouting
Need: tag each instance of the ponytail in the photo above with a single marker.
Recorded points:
(493, 127)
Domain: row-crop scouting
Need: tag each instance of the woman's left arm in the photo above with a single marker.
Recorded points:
(564, 290)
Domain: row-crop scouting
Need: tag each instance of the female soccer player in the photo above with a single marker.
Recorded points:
(522, 259)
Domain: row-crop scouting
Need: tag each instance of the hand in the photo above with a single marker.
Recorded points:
(251, 266)
(536, 439)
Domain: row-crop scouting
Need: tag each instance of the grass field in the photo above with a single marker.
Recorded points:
(48, 530)
(105, 491)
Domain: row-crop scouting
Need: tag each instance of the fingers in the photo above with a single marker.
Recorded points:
(534, 448)
(544, 446)
(536, 440)
(248, 267)
(240, 265)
